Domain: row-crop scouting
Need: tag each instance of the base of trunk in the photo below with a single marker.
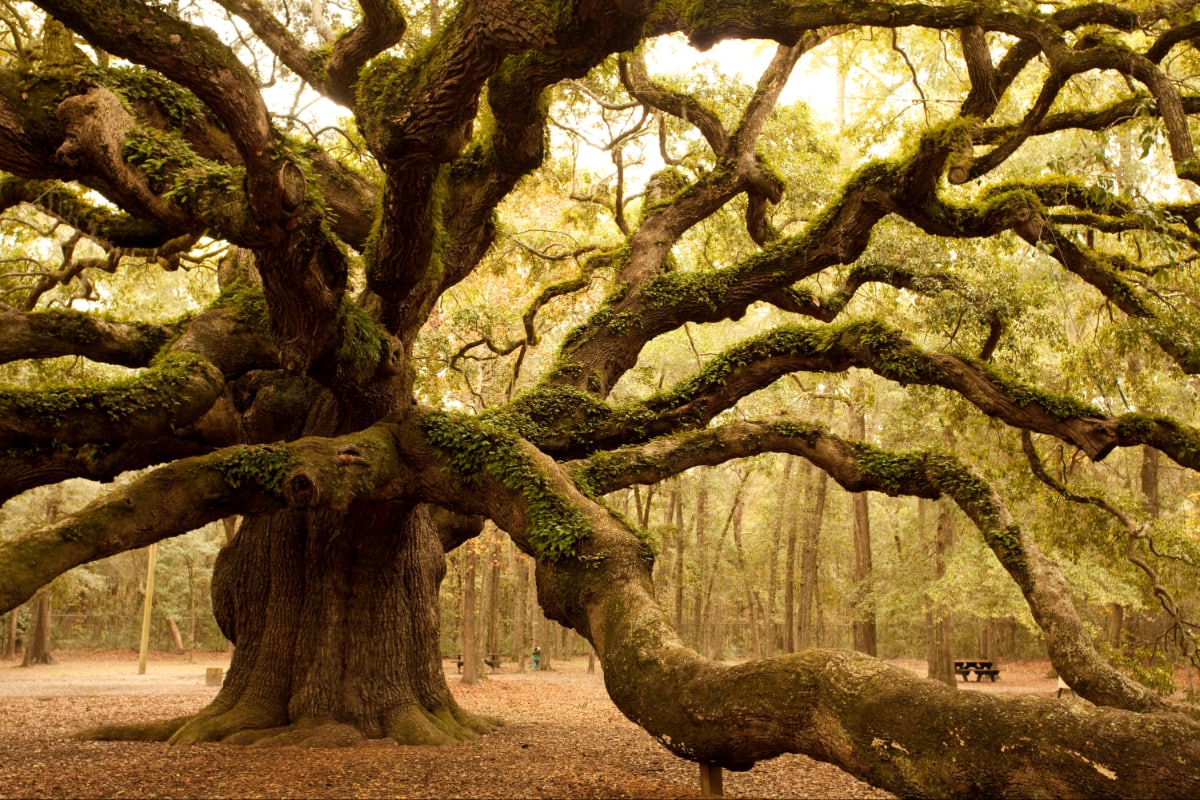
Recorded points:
(413, 725)
(335, 617)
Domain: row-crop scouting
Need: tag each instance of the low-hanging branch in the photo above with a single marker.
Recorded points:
(188, 493)
(602, 588)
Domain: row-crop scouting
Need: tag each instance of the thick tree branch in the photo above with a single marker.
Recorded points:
(593, 357)
(191, 492)
(858, 467)
(192, 57)
(601, 586)
(174, 393)
(72, 333)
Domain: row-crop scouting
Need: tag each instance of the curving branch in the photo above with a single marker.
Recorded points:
(647, 302)
(72, 333)
(859, 467)
(1019, 209)
(602, 588)
(1134, 532)
(191, 492)
(151, 36)
(333, 73)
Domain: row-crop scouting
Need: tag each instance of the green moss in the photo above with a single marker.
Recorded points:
(475, 448)
(156, 389)
(251, 304)
(363, 342)
(175, 171)
(141, 86)
(892, 470)
(264, 466)
(1060, 407)
(1137, 427)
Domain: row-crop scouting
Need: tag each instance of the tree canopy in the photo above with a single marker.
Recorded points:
(1024, 172)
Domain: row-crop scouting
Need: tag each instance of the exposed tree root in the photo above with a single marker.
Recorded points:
(408, 724)
(142, 732)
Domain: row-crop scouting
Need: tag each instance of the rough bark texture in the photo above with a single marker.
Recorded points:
(334, 618)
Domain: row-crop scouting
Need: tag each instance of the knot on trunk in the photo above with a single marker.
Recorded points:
(300, 489)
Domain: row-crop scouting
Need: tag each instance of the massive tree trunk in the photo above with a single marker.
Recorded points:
(335, 620)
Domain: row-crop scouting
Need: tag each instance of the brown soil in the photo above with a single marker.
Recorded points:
(563, 739)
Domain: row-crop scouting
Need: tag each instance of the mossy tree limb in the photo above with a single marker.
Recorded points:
(191, 492)
(810, 702)
(62, 333)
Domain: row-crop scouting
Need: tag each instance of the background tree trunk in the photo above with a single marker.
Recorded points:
(791, 624)
(494, 555)
(701, 559)
(680, 549)
(939, 615)
(176, 636)
(544, 640)
(37, 641)
(785, 512)
(10, 640)
(863, 606)
(470, 638)
(808, 629)
(520, 641)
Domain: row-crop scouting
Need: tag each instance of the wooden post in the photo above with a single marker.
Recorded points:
(711, 781)
(143, 651)
(214, 676)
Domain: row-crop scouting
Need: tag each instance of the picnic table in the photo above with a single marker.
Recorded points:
(980, 668)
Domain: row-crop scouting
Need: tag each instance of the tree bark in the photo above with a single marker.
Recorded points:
(520, 641)
(335, 619)
(940, 618)
(680, 550)
(176, 636)
(470, 616)
(494, 555)
(863, 603)
(37, 640)
(808, 628)
(698, 627)
(790, 575)
(10, 639)
(785, 510)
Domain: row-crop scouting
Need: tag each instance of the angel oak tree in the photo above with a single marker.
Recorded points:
(292, 399)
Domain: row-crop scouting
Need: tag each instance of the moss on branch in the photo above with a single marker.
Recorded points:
(163, 391)
(476, 449)
(262, 466)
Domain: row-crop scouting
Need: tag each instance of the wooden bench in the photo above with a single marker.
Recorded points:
(980, 668)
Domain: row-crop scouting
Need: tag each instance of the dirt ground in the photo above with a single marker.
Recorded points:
(563, 739)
